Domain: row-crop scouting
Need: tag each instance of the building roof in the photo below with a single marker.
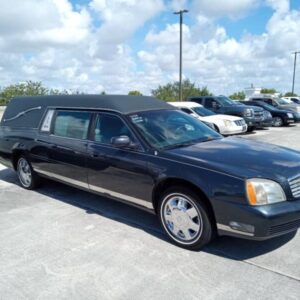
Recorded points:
(34, 107)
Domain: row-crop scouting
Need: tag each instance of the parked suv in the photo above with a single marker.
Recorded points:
(279, 103)
(147, 153)
(254, 116)
(280, 117)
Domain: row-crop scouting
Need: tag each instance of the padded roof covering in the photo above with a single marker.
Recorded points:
(36, 106)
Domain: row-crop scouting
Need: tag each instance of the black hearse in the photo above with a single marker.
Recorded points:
(149, 154)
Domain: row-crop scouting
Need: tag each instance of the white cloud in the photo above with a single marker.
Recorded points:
(229, 8)
(88, 47)
(223, 63)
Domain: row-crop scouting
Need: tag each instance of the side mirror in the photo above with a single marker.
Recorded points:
(123, 141)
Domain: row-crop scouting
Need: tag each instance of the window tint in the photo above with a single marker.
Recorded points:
(72, 124)
(109, 126)
(210, 103)
(186, 110)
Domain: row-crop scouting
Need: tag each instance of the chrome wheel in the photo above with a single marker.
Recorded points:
(278, 122)
(24, 172)
(181, 218)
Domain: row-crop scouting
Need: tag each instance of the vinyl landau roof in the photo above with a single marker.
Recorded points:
(28, 111)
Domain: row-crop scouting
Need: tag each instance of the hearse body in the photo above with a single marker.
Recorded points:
(123, 147)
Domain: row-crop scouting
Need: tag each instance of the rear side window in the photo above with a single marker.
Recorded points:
(72, 124)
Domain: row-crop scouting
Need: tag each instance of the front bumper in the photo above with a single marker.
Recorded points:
(260, 222)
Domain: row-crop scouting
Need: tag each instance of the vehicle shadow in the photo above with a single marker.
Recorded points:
(229, 247)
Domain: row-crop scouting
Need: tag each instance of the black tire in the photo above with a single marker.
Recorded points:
(33, 180)
(204, 219)
(250, 128)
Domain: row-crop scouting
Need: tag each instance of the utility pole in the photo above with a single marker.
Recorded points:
(180, 13)
(294, 74)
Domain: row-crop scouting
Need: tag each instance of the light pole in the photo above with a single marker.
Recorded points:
(294, 74)
(180, 13)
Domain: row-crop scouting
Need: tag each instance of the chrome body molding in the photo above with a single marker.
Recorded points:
(127, 198)
(62, 178)
(97, 189)
(229, 229)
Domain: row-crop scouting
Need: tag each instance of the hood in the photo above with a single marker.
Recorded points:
(293, 107)
(242, 158)
(255, 108)
(221, 118)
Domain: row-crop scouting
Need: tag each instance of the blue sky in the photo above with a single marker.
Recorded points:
(121, 45)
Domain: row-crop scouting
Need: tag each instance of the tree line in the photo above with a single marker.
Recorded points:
(167, 92)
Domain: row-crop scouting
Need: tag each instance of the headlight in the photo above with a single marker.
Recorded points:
(227, 123)
(264, 191)
(290, 115)
(248, 112)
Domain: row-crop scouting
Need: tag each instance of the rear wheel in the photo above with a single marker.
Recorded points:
(185, 218)
(277, 122)
(27, 177)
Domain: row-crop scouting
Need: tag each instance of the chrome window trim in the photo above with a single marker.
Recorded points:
(22, 113)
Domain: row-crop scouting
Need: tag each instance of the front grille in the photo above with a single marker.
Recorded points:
(240, 122)
(290, 226)
(258, 115)
(295, 186)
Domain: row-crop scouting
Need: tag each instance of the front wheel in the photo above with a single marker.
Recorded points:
(27, 177)
(185, 218)
(277, 122)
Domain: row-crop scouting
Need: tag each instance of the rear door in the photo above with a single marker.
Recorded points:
(67, 149)
(119, 173)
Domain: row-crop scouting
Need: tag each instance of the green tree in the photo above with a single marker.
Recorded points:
(238, 96)
(29, 88)
(268, 91)
(170, 91)
(290, 94)
(135, 93)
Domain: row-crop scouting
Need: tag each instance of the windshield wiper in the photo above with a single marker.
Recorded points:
(189, 143)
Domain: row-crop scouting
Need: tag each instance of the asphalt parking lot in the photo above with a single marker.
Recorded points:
(62, 243)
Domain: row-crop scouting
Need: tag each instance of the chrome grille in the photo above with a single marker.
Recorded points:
(240, 122)
(295, 186)
(258, 114)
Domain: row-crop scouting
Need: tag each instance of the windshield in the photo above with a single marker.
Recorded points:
(282, 101)
(166, 129)
(203, 112)
(265, 105)
(225, 101)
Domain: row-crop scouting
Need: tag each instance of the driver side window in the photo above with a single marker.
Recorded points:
(110, 126)
(211, 103)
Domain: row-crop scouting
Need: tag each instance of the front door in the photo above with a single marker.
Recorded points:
(119, 173)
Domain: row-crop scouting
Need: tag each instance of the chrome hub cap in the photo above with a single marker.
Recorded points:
(181, 218)
(277, 122)
(24, 172)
